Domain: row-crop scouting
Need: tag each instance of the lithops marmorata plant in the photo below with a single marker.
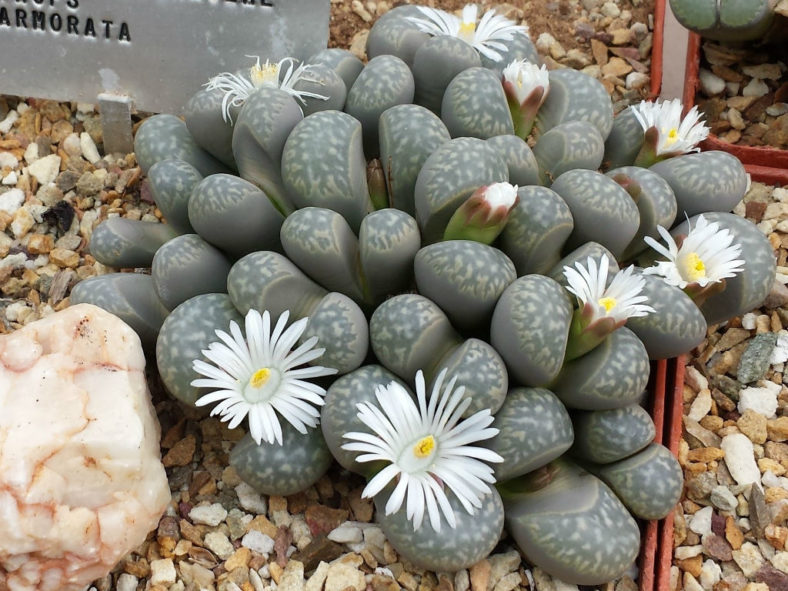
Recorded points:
(442, 297)
(726, 20)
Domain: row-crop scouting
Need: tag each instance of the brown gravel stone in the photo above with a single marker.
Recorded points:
(753, 425)
(691, 565)
(261, 524)
(705, 454)
(64, 258)
(181, 453)
(778, 429)
(733, 534)
(322, 519)
(40, 243)
(717, 547)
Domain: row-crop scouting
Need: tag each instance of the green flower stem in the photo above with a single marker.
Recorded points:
(524, 115)
(584, 336)
(376, 182)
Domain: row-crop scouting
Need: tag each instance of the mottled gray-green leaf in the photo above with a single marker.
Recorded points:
(707, 181)
(519, 47)
(613, 374)
(451, 549)
(605, 436)
(171, 182)
(130, 297)
(675, 327)
(602, 210)
(574, 528)
(341, 329)
(537, 229)
(580, 255)
(474, 105)
(449, 176)
(286, 469)
(655, 201)
(437, 61)
(649, 483)
(269, 281)
(534, 429)
(268, 116)
(575, 96)
(322, 80)
(742, 20)
(394, 34)
(568, 146)
(206, 124)
(409, 332)
(408, 135)
(747, 290)
(342, 61)
(479, 368)
(187, 266)
(126, 243)
(323, 165)
(624, 141)
(519, 158)
(164, 137)
(322, 244)
(339, 414)
(388, 242)
(386, 81)
(234, 215)
(530, 327)
(188, 330)
(465, 278)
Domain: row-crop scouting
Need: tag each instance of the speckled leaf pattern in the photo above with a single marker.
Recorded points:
(393, 34)
(409, 332)
(261, 128)
(740, 20)
(569, 146)
(188, 330)
(747, 290)
(206, 124)
(575, 528)
(322, 244)
(129, 296)
(341, 329)
(597, 204)
(575, 96)
(171, 182)
(676, 325)
(449, 176)
(323, 165)
(234, 215)
(163, 137)
(537, 229)
(624, 141)
(530, 327)
(519, 158)
(322, 80)
(465, 278)
(388, 241)
(474, 105)
(707, 181)
(408, 135)
(479, 368)
(451, 549)
(656, 205)
(535, 429)
(269, 281)
(605, 436)
(519, 47)
(126, 243)
(697, 14)
(580, 255)
(187, 266)
(339, 414)
(613, 374)
(648, 483)
(342, 61)
(286, 469)
(436, 62)
(385, 82)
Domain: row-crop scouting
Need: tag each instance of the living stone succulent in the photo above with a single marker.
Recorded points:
(726, 20)
(378, 247)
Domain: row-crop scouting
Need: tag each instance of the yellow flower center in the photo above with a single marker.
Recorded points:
(424, 447)
(260, 377)
(467, 30)
(672, 136)
(608, 303)
(696, 268)
(266, 73)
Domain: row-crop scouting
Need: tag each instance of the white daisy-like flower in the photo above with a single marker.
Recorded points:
(707, 255)
(676, 135)
(499, 196)
(259, 376)
(523, 77)
(427, 448)
(486, 36)
(619, 301)
(237, 88)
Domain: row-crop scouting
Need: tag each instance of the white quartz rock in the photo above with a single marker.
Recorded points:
(81, 479)
(740, 458)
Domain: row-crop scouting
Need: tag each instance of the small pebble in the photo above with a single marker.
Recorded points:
(701, 521)
(345, 534)
(211, 515)
(45, 169)
(219, 544)
(258, 542)
(12, 200)
(756, 88)
(761, 400)
(722, 498)
(740, 458)
(162, 572)
(88, 146)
